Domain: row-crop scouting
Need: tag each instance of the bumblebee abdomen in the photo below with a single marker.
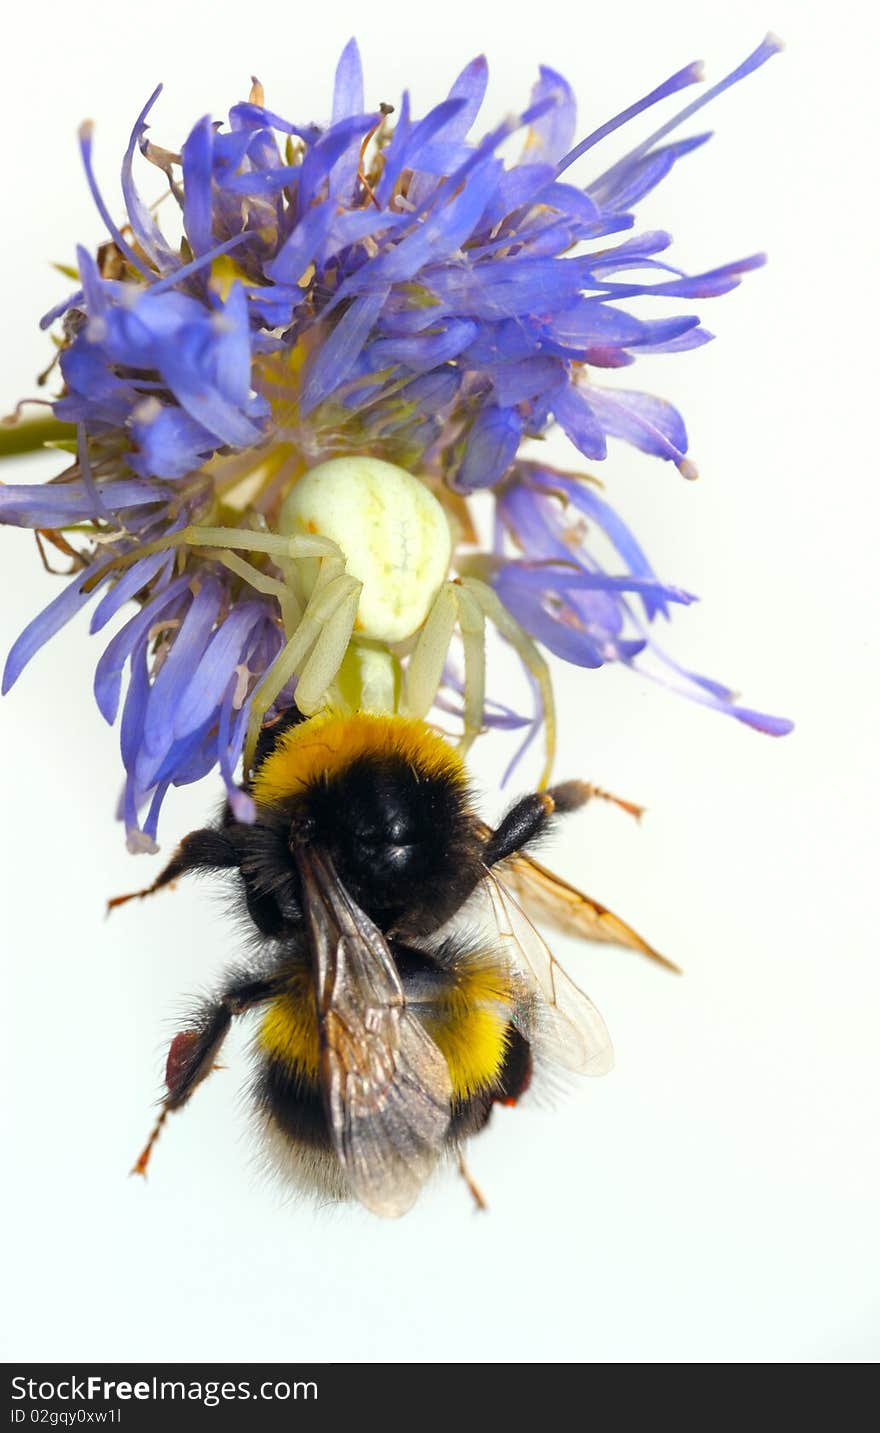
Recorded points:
(295, 1134)
(465, 1000)
(293, 1103)
(288, 1034)
(466, 1004)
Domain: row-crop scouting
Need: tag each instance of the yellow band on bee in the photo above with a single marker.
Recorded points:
(468, 1022)
(289, 1030)
(473, 1046)
(325, 745)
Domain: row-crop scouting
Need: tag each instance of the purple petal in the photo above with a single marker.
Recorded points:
(60, 308)
(207, 367)
(108, 673)
(335, 358)
(301, 246)
(768, 47)
(44, 626)
(144, 226)
(649, 423)
(692, 338)
(197, 154)
(85, 144)
(520, 382)
(187, 650)
(229, 745)
(323, 157)
(59, 504)
(133, 580)
(623, 186)
(569, 642)
(348, 86)
(551, 135)
(492, 445)
(530, 577)
(576, 418)
(587, 501)
(583, 323)
(699, 690)
(132, 724)
(169, 442)
(426, 350)
(470, 89)
(203, 695)
(690, 75)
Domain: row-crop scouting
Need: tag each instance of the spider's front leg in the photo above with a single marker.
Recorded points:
(453, 607)
(467, 602)
(493, 608)
(315, 649)
(316, 638)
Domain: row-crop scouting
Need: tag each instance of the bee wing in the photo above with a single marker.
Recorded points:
(569, 1026)
(571, 911)
(386, 1086)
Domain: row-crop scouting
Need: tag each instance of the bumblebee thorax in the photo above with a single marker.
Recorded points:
(388, 800)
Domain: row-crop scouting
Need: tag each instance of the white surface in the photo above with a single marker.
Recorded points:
(714, 1199)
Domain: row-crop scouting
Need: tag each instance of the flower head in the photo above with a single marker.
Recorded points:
(561, 594)
(373, 285)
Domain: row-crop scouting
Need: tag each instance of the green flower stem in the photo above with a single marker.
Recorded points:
(29, 434)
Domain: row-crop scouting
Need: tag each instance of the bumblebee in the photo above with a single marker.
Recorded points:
(402, 992)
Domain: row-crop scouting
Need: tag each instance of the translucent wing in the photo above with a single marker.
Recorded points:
(386, 1086)
(568, 1025)
(569, 910)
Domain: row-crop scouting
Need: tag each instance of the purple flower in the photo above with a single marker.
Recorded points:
(369, 285)
(562, 595)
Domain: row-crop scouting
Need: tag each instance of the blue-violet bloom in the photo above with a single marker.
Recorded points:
(380, 283)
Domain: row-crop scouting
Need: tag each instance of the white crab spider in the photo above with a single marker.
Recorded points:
(364, 549)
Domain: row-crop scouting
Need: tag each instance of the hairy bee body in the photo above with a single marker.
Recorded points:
(467, 1004)
(389, 800)
(391, 1017)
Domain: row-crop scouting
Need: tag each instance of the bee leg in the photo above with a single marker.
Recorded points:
(205, 850)
(522, 824)
(569, 795)
(529, 818)
(192, 1053)
(476, 1192)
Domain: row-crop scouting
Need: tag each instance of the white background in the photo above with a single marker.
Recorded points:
(714, 1199)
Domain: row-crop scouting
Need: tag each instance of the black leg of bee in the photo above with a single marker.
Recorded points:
(205, 850)
(192, 1053)
(530, 817)
(523, 823)
(272, 732)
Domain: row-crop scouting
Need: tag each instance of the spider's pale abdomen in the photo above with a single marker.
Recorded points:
(393, 531)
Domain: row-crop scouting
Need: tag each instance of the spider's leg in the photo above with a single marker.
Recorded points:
(321, 608)
(528, 654)
(424, 670)
(472, 621)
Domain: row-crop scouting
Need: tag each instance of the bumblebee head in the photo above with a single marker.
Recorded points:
(388, 800)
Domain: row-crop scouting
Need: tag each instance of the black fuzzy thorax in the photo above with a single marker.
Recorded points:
(403, 843)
